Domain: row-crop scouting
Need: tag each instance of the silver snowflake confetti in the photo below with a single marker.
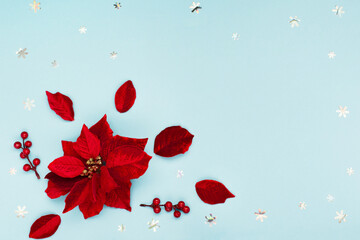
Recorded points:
(350, 171)
(35, 6)
(294, 21)
(331, 55)
(82, 29)
(338, 10)
(12, 171)
(330, 198)
(260, 215)
(235, 36)
(302, 205)
(113, 55)
(117, 5)
(54, 64)
(21, 212)
(342, 111)
(340, 216)
(180, 174)
(29, 104)
(153, 225)
(121, 228)
(195, 7)
(211, 220)
(22, 53)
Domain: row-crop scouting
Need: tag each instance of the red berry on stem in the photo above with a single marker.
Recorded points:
(26, 151)
(168, 209)
(26, 167)
(22, 155)
(24, 135)
(177, 214)
(168, 204)
(36, 161)
(186, 209)
(28, 144)
(156, 201)
(17, 145)
(157, 209)
(181, 204)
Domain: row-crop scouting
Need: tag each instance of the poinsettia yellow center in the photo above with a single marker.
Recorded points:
(92, 166)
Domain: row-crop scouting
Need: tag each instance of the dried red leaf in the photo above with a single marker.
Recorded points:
(87, 145)
(67, 167)
(172, 141)
(212, 192)
(45, 226)
(61, 105)
(120, 196)
(125, 97)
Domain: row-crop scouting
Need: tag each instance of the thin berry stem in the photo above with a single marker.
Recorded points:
(33, 168)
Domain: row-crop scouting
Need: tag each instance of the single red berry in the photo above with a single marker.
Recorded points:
(168, 204)
(24, 135)
(36, 161)
(28, 144)
(26, 151)
(181, 204)
(168, 209)
(22, 155)
(177, 214)
(26, 167)
(186, 209)
(157, 209)
(156, 201)
(17, 145)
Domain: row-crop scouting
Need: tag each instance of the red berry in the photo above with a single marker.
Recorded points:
(177, 214)
(22, 155)
(168, 205)
(28, 144)
(186, 209)
(17, 145)
(181, 204)
(156, 201)
(157, 209)
(168, 209)
(36, 161)
(24, 135)
(26, 151)
(26, 167)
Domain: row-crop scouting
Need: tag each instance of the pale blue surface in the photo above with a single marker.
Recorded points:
(262, 110)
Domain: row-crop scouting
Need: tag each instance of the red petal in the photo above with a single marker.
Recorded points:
(212, 192)
(125, 97)
(61, 105)
(45, 226)
(67, 167)
(58, 186)
(119, 197)
(107, 183)
(87, 145)
(172, 141)
(102, 130)
(127, 162)
(77, 194)
(68, 148)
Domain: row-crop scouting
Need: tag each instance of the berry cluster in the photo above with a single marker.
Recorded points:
(180, 206)
(25, 146)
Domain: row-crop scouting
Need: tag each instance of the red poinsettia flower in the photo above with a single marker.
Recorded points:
(97, 169)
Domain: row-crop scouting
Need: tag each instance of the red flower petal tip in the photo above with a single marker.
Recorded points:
(45, 226)
(212, 192)
(61, 105)
(125, 97)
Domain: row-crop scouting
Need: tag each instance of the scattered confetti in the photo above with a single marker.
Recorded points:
(121, 228)
(342, 111)
(22, 53)
(12, 171)
(302, 205)
(180, 174)
(330, 198)
(154, 225)
(338, 10)
(54, 64)
(35, 6)
(294, 21)
(20, 212)
(82, 29)
(29, 104)
(341, 216)
(117, 5)
(331, 55)
(210, 220)
(350, 171)
(195, 7)
(260, 215)
(235, 36)
(113, 55)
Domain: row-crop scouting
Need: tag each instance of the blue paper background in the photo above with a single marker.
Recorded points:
(262, 110)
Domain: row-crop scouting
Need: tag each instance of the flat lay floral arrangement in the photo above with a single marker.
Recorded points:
(247, 160)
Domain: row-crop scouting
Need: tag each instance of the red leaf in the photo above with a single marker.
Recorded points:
(61, 105)
(107, 183)
(59, 186)
(68, 149)
(77, 194)
(87, 145)
(125, 97)
(102, 130)
(67, 167)
(120, 196)
(127, 162)
(172, 141)
(212, 192)
(45, 226)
